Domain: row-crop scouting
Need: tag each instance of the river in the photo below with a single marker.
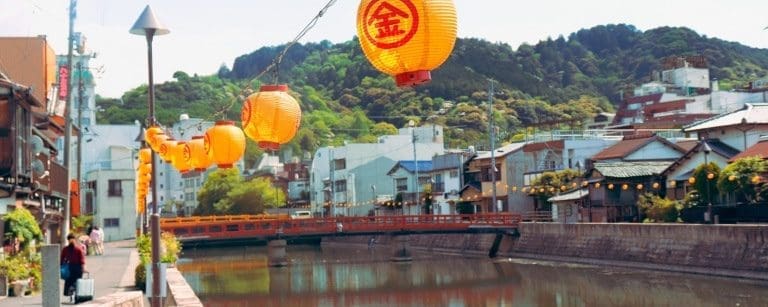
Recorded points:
(323, 276)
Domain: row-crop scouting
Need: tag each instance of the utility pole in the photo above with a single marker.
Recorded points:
(80, 89)
(491, 129)
(68, 122)
(332, 166)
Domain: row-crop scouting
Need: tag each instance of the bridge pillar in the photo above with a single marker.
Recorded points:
(276, 253)
(401, 248)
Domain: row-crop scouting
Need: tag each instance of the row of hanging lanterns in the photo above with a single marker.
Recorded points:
(407, 39)
(143, 178)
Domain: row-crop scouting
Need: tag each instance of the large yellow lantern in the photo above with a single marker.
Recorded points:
(177, 157)
(224, 143)
(195, 155)
(407, 38)
(271, 117)
(166, 150)
(150, 133)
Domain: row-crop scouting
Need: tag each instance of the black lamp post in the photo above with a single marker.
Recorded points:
(148, 26)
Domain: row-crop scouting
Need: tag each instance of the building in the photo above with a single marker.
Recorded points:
(678, 173)
(112, 194)
(345, 178)
(409, 194)
(30, 175)
(739, 129)
(480, 176)
(447, 180)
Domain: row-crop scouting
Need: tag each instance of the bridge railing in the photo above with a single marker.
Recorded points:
(242, 227)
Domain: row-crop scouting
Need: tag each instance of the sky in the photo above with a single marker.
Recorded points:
(206, 34)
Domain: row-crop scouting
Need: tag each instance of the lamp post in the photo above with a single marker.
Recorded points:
(412, 124)
(148, 26)
(707, 150)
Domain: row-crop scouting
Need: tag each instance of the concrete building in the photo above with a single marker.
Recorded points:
(479, 176)
(447, 181)
(114, 202)
(739, 129)
(355, 173)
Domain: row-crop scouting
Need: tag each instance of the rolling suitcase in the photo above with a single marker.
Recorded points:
(84, 289)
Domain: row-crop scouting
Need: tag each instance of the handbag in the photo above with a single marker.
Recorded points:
(64, 270)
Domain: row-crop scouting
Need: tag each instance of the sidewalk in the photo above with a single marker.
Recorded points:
(112, 272)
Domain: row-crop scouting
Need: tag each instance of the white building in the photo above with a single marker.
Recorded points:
(739, 129)
(114, 202)
(357, 173)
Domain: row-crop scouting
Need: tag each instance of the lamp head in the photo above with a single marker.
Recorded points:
(706, 148)
(147, 24)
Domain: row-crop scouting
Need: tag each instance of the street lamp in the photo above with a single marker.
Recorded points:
(148, 26)
(411, 124)
(707, 150)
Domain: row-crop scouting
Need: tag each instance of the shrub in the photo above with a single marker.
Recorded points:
(659, 210)
(140, 276)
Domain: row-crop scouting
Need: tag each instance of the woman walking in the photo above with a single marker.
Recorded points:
(73, 256)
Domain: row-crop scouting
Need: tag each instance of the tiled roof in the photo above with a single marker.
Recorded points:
(687, 144)
(628, 146)
(760, 150)
(716, 145)
(631, 169)
(501, 151)
(752, 113)
(572, 195)
(408, 165)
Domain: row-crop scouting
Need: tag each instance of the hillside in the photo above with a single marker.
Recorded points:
(555, 83)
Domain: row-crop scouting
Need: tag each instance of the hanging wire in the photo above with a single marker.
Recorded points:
(271, 67)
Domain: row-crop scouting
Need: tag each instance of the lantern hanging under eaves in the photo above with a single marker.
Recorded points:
(271, 117)
(177, 157)
(407, 39)
(224, 143)
(166, 150)
(195, 155)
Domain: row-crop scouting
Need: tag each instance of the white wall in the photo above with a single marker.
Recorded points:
(654, 151)
(122, 208)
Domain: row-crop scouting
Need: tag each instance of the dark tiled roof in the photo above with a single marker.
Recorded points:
(629, 145)
(687, 144)
(408, 165)
(758, 150)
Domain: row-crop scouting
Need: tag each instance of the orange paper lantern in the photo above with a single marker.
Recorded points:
(271, 117)
(166, 150)
(177, 157)
(150, 133)
(224, 143)
(407, 38)
(158, 140)
(195, 155)
(145, 156)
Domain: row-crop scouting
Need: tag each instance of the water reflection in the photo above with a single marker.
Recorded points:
(359, 277)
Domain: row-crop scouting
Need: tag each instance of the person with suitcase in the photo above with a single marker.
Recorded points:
(72, 256)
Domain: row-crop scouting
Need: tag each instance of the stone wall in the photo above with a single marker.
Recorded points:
(733, 250)
(118, 299)
(179, 291)
(466, 244)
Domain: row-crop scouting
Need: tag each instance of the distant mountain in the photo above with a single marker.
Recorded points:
(556, 83)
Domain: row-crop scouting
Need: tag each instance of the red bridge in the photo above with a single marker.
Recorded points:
(271, 227)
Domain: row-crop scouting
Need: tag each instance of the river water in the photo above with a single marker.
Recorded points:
(323, 276)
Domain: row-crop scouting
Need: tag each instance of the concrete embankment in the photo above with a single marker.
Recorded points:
(727, 250)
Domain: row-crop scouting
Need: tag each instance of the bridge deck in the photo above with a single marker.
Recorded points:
(250, 227)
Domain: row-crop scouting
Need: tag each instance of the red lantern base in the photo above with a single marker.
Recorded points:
(224, 166)
(412, 78)
(269, 145)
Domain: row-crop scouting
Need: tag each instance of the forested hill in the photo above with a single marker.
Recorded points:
(596, 61)
(556, 83)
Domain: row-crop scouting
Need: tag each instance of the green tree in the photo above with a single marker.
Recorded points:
(659, 210)
(21, 225)
(549, 184)
(251, 197)
(742, 177)
(706, 182)
(215, 189)
(383, 128)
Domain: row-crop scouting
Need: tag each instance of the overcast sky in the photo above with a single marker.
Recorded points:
(205, 34)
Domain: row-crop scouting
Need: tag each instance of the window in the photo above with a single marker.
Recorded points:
(339, 164)
(111, 222)
(115, 188)
(190, 196)
(402, 184)
(181, 184)
(340, 186)
(454, 174)
(161, 185)
(161, 173)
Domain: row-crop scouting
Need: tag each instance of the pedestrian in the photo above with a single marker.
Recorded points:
(73, 256)
(97, 240)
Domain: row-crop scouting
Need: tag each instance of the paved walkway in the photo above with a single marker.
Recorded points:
(113, 272)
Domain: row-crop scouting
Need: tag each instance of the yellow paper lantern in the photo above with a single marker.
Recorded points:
(756, 179)
(177, 157)
(514, 189)
(407, 38)
(150, 133)
(194, 153)
(271, 117)
(624, 186)
(656, 185)
(673, 183)
(597, 185)
(732, 178)
(692, 180)
(224, 143)
(145, 169)
(165, 151)
(145, 156)
(710, 176)
(574, 184)
(640, 186)
(562, 188)
(610, 186)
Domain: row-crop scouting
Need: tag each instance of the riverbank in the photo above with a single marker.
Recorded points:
(725, 250)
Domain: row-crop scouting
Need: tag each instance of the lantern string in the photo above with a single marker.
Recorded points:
(274, 65)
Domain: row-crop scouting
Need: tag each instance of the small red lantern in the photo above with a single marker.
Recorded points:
(224, 143)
